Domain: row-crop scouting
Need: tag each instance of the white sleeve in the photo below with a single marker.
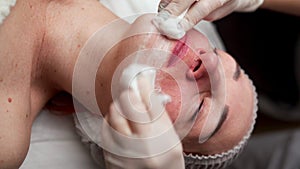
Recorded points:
(54, 144)
(129, 10)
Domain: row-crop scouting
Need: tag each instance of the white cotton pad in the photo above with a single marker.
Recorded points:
(130, 75)
(169, 25)
(5, 6)
(169, 28)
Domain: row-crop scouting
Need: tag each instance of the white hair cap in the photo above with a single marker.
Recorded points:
(220, 161)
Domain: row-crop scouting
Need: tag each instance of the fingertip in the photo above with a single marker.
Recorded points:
(117, 121)
(162, 5)
(186, 24)
(112, 110)
(177, 7)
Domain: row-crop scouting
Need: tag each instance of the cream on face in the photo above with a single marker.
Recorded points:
(187, 61)
(199, 59)
(195, 51)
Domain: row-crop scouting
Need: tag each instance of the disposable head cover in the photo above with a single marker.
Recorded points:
(221, 160)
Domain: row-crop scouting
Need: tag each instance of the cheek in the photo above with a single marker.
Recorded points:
(172, 109)
(168, 86)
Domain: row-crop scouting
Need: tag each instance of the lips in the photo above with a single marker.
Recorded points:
(179, 51)
(202, 65)
(206, 61)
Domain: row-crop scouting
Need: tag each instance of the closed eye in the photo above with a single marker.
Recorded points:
(197, 111)
(237, 73)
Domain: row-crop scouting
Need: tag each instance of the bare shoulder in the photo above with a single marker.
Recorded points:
(15, 127)
(14, 108)
(14, 114)
(20, 95)
(39, 43)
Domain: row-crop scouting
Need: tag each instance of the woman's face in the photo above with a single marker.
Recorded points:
(202, 65)
(189, 71)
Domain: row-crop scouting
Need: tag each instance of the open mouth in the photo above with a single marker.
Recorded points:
(197, 65)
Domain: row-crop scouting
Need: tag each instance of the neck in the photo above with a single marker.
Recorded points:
(21, 36)
(72, 30)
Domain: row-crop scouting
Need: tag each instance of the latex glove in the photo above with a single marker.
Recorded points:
(196, 11)
(133, 154)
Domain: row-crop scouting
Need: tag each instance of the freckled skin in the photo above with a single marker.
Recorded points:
(34, 40)
(20, 37)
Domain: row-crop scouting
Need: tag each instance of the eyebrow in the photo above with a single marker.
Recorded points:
(237, 73)
(221, 121)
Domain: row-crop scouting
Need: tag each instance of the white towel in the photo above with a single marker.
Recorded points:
(133, 8)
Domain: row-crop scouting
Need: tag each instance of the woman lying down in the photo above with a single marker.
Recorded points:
(159, 103)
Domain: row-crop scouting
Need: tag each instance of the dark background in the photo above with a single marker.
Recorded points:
(265, 44)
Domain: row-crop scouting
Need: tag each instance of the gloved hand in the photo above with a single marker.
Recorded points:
(196, 10)
(137, 151)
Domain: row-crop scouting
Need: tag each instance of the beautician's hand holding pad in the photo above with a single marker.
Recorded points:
(196, 11)
(134, 115)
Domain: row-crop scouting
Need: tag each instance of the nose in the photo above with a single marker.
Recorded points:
(197, 70)
(203, 65)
